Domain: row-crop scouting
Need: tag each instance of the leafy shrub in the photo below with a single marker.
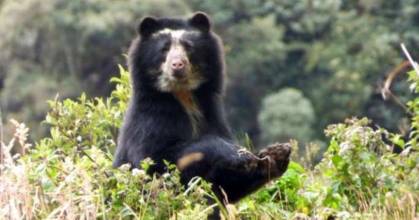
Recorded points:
(359, 164)
(358, 177)
(414, 109)
(69, 175)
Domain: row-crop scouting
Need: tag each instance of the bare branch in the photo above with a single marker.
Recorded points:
(412, 62)
(386, 91)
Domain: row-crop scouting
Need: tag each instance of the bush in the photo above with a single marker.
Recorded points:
(69, 175)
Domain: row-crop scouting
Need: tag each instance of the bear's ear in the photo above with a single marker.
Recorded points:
(201, 21)
(148, 25)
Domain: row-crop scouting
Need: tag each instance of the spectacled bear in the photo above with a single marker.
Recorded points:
(176, 111)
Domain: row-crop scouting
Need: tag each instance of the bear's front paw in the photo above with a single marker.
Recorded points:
(275, 158)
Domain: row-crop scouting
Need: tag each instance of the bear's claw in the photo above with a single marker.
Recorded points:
(275, 158)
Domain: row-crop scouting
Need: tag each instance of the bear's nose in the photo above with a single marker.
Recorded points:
(178, 64)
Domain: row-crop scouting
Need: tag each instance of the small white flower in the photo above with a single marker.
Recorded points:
(405, 152)
(138, 172)
(125, 167)
(344, 147)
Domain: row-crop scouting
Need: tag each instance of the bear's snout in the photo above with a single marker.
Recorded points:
(178, 67)
(177, 62)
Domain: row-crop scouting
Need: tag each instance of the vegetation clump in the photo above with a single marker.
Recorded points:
(69, 174)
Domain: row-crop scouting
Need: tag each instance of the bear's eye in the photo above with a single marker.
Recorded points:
(187, 44)
(166, 47)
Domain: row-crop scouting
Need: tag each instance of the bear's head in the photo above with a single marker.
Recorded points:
(171, 55)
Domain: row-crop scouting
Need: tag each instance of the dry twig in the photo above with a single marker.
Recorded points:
(412, 62)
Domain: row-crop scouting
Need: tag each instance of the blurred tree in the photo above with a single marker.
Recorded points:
(305, 20)
(346, 66)
(286, 115)
(226, 13)
(335, 52)
(65, 47)
(255, 56)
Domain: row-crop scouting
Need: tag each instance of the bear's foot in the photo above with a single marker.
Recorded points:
(239, 176)
(274, 159)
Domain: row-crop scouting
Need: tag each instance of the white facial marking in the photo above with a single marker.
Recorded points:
(175, 34)
(166, 81)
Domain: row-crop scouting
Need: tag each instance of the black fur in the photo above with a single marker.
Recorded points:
(156, 124)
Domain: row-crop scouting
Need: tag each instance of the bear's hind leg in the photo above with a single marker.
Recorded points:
(249, 172)
(234, 172)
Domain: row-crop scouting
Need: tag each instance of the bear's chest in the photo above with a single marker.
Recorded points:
(192, 109)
